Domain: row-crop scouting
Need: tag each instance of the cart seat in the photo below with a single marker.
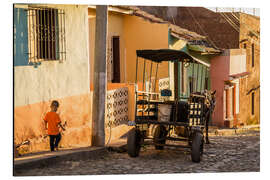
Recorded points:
(182, 112)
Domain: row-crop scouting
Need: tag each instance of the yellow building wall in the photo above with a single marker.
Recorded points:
(115, 28)
(248, 24)
(142, 34)
(135, 33)
(67, 82)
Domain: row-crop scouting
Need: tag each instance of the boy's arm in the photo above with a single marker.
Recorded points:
(62, 126)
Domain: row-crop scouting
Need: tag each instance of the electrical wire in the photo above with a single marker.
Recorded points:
(230, 21)
(213, 44)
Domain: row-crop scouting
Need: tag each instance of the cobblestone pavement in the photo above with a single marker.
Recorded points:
(235, 153)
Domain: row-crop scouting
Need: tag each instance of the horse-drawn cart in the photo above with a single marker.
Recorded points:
(159, 117)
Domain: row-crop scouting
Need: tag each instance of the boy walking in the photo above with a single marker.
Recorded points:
(53, 121)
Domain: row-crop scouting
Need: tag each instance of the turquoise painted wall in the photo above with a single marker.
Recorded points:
(198, 71)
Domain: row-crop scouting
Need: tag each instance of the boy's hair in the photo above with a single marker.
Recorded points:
(55, 103)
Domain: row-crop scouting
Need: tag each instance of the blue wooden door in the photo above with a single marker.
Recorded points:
(20, 37)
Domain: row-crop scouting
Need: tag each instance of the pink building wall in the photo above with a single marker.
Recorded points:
(219, 71)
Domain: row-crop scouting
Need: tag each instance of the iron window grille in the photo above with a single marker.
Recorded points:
(252, 54)
(46, 29)
(252, 103)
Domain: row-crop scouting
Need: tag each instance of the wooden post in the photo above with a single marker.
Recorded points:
(100, 80)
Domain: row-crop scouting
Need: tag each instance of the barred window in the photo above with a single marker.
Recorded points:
(252, 55)
(252, 103)
(46, 27)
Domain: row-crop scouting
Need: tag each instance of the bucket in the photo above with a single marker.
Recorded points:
(164, 112)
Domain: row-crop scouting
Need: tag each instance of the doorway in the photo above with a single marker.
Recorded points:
(116, 59)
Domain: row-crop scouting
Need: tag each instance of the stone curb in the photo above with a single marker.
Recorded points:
(233, 131)
(56, 157)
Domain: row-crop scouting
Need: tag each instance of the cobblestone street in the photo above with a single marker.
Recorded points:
(234, 153)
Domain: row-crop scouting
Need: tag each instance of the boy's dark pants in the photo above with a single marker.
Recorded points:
(54, 141)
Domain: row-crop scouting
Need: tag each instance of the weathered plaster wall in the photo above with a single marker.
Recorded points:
(250, 34)
(237, 61)
(68, 82)
(53, 79)
(74, 110)
(219, 71)
(142, 34)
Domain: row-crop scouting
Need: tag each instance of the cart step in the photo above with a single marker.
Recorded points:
(169, 145)
(145, 102)
(146, 118)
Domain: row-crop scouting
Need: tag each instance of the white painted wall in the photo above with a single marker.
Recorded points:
(237, 95)
(52, 80)
(237, 64)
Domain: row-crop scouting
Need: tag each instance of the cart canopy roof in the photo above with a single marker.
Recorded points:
(160, 55)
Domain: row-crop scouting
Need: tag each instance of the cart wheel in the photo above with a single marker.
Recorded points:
(133, 142)
(160, 132)
(197, 147)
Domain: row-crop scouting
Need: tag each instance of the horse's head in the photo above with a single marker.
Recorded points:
(210, 98)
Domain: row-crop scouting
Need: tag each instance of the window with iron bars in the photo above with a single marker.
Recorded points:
(46, 27)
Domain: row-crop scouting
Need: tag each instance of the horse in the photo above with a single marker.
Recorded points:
(209, 106)
(210, 102)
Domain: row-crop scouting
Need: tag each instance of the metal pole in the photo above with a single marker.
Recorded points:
(143, 84)
(156, 78)
(149, 95)
(136, 69)
(143, 74)
(192, 79)
(197, 79)
(202, 79)
(150, 76)
(100, 81)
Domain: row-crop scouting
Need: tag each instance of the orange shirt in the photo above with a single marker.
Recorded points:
(53, 119)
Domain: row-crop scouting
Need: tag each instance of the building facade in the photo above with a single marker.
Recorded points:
(51, 63)
(230, 31)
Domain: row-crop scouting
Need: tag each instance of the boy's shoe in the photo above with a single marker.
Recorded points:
(56, 149)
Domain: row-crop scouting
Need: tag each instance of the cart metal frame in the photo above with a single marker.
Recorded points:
(147, 108)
